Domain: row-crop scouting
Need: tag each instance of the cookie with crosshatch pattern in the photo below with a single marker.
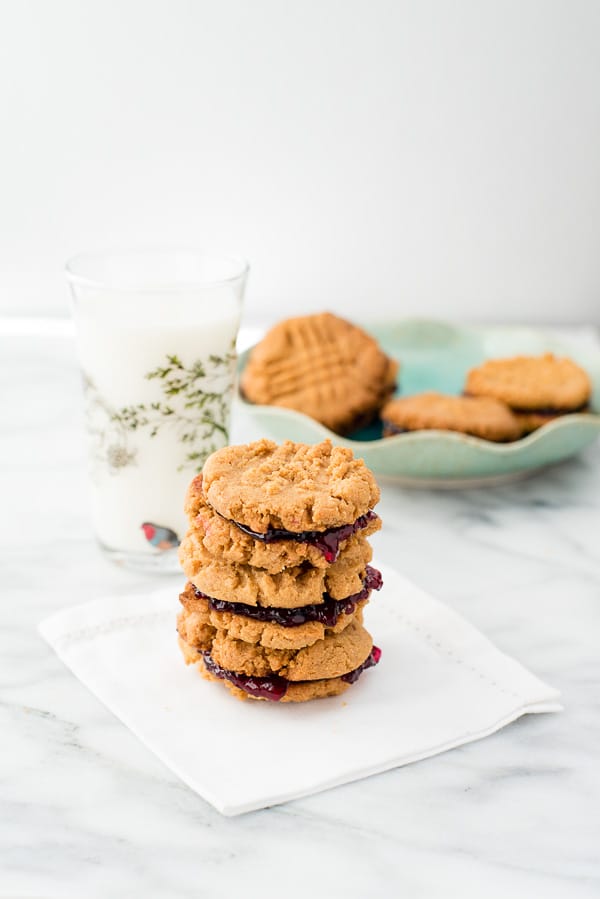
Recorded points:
(323, 366)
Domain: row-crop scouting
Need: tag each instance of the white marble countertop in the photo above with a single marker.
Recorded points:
(86, 810)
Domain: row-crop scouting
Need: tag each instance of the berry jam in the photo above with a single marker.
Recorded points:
(548, 410)
(326, 613)
(274, 687)
(371, 660)
(327, 541)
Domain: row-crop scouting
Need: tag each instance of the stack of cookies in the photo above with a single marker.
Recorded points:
(277, 561)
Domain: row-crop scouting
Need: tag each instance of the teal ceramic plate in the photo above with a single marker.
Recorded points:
(436, 356)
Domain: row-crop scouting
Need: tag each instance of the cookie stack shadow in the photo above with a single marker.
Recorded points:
(277, 561)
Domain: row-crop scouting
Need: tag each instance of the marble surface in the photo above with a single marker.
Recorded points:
(86, 810)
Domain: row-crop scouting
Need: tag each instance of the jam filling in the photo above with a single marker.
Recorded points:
(370, 662)
(274, 687)
(327, 541)
(326, 613)
(547, 410)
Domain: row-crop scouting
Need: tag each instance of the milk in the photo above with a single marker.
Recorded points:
(158, 372)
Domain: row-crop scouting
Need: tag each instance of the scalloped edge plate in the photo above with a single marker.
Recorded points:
(447, 458)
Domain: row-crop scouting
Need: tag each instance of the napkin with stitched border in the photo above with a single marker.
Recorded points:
(440, 683)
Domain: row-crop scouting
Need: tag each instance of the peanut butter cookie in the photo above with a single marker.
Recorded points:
(224, 539)
(483, 417)
(300, 585)
(323, 366)
(274, 688)
(334, 655)
(291, 486)
(274, 627)
(537, 388)
(198, 624)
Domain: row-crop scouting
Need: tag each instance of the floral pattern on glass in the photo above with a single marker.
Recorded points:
(193, 400)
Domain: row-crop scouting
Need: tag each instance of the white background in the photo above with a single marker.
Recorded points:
(408, 158)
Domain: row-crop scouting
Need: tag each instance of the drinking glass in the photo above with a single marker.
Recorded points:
(156, 333)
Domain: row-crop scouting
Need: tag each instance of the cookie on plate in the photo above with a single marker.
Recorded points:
(537, 388)
(483, 417)
(323, 366)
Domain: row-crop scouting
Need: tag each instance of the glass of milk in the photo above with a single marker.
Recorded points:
(156, 333)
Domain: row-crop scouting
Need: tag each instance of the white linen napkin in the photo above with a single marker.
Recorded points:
(440, 683)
